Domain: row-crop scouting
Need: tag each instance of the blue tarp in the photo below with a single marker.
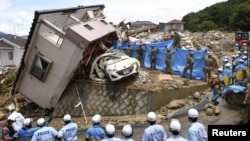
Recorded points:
(233, 88)
(179, 58)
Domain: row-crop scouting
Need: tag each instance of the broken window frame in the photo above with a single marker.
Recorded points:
(40, 67)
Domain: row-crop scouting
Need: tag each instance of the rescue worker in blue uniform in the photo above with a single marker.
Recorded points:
(246, 63)
(236, 48)
(175, 129)
(127, 133)
(244, 47)
(26, 132)
(154, 132)
(69, 131)
(240, 72)
(196, 131)
(96, 132)
(45, 133)
(227, 75)
(110, 133)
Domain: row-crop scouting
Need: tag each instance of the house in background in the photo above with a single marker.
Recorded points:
(140, 24)
(176, 25)
(11, 51)
(59, 46)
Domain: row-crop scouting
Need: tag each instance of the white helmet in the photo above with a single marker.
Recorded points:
(244, 57)
(228, 65)
(244, 44)
(127, 130)
(96, 118)
(226, 57)
(193, 113)
(241, 61)
(11, 118)
(151, 116)
(27, 121)
(220, 69)
(110, 129)
(41, 122)
(225, 60)
(11, 108)
(67, 117)
(175, 125)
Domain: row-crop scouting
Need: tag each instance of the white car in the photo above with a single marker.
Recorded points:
(115, 65)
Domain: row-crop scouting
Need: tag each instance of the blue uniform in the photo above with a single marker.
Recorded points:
(45, 134)
(127, 139)
(95, 132)
(25, 134)
(154, 133)
(176, 138)
(196, 132)
(111, 139)
(68, 132)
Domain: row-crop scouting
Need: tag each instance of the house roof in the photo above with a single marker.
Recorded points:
(174, 21)
(14, 39)
(142, 23)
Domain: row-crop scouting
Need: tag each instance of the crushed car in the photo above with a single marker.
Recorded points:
(113, 65)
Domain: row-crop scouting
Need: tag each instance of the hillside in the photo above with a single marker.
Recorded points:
(225, 16)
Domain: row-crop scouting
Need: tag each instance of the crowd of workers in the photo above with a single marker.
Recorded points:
(18, 128)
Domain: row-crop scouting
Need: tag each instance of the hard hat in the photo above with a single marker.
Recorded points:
(67, 117)
(193, 113)
(11, 108)
(225, 60)
(238, 52)
(226, 57)
(127, 130)
(220, 69)
(244, 44)
(41, 122)
(236, 44)
(96, 118)
(233, 56)
(175, 125)
(241, 60)
(27, 121)
(110, 129)
(244, 57)
(228, 65)
(151, 116)
(245, 52)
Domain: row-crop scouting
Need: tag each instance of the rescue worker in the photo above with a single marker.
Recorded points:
(168, 60)
(189, 65)
(177, 40)
(240, 72)
(153, 56)
(208, 66)
(69, 131)
(45, 133)
(18, 123)
(175, 129)
(245, 114)
(110, 133)
(235, 49)
(227, 75)
(129, 51)
(244, 47)
(215, 86)
(7, 130)
(196, 131)
(140, 51)
(154, 132)
(127, 133)
(246, 63)
(96, 132)
(225, 61)
(27, 131)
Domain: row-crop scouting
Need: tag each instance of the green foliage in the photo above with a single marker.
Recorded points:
(10, 76)
(226, 16)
